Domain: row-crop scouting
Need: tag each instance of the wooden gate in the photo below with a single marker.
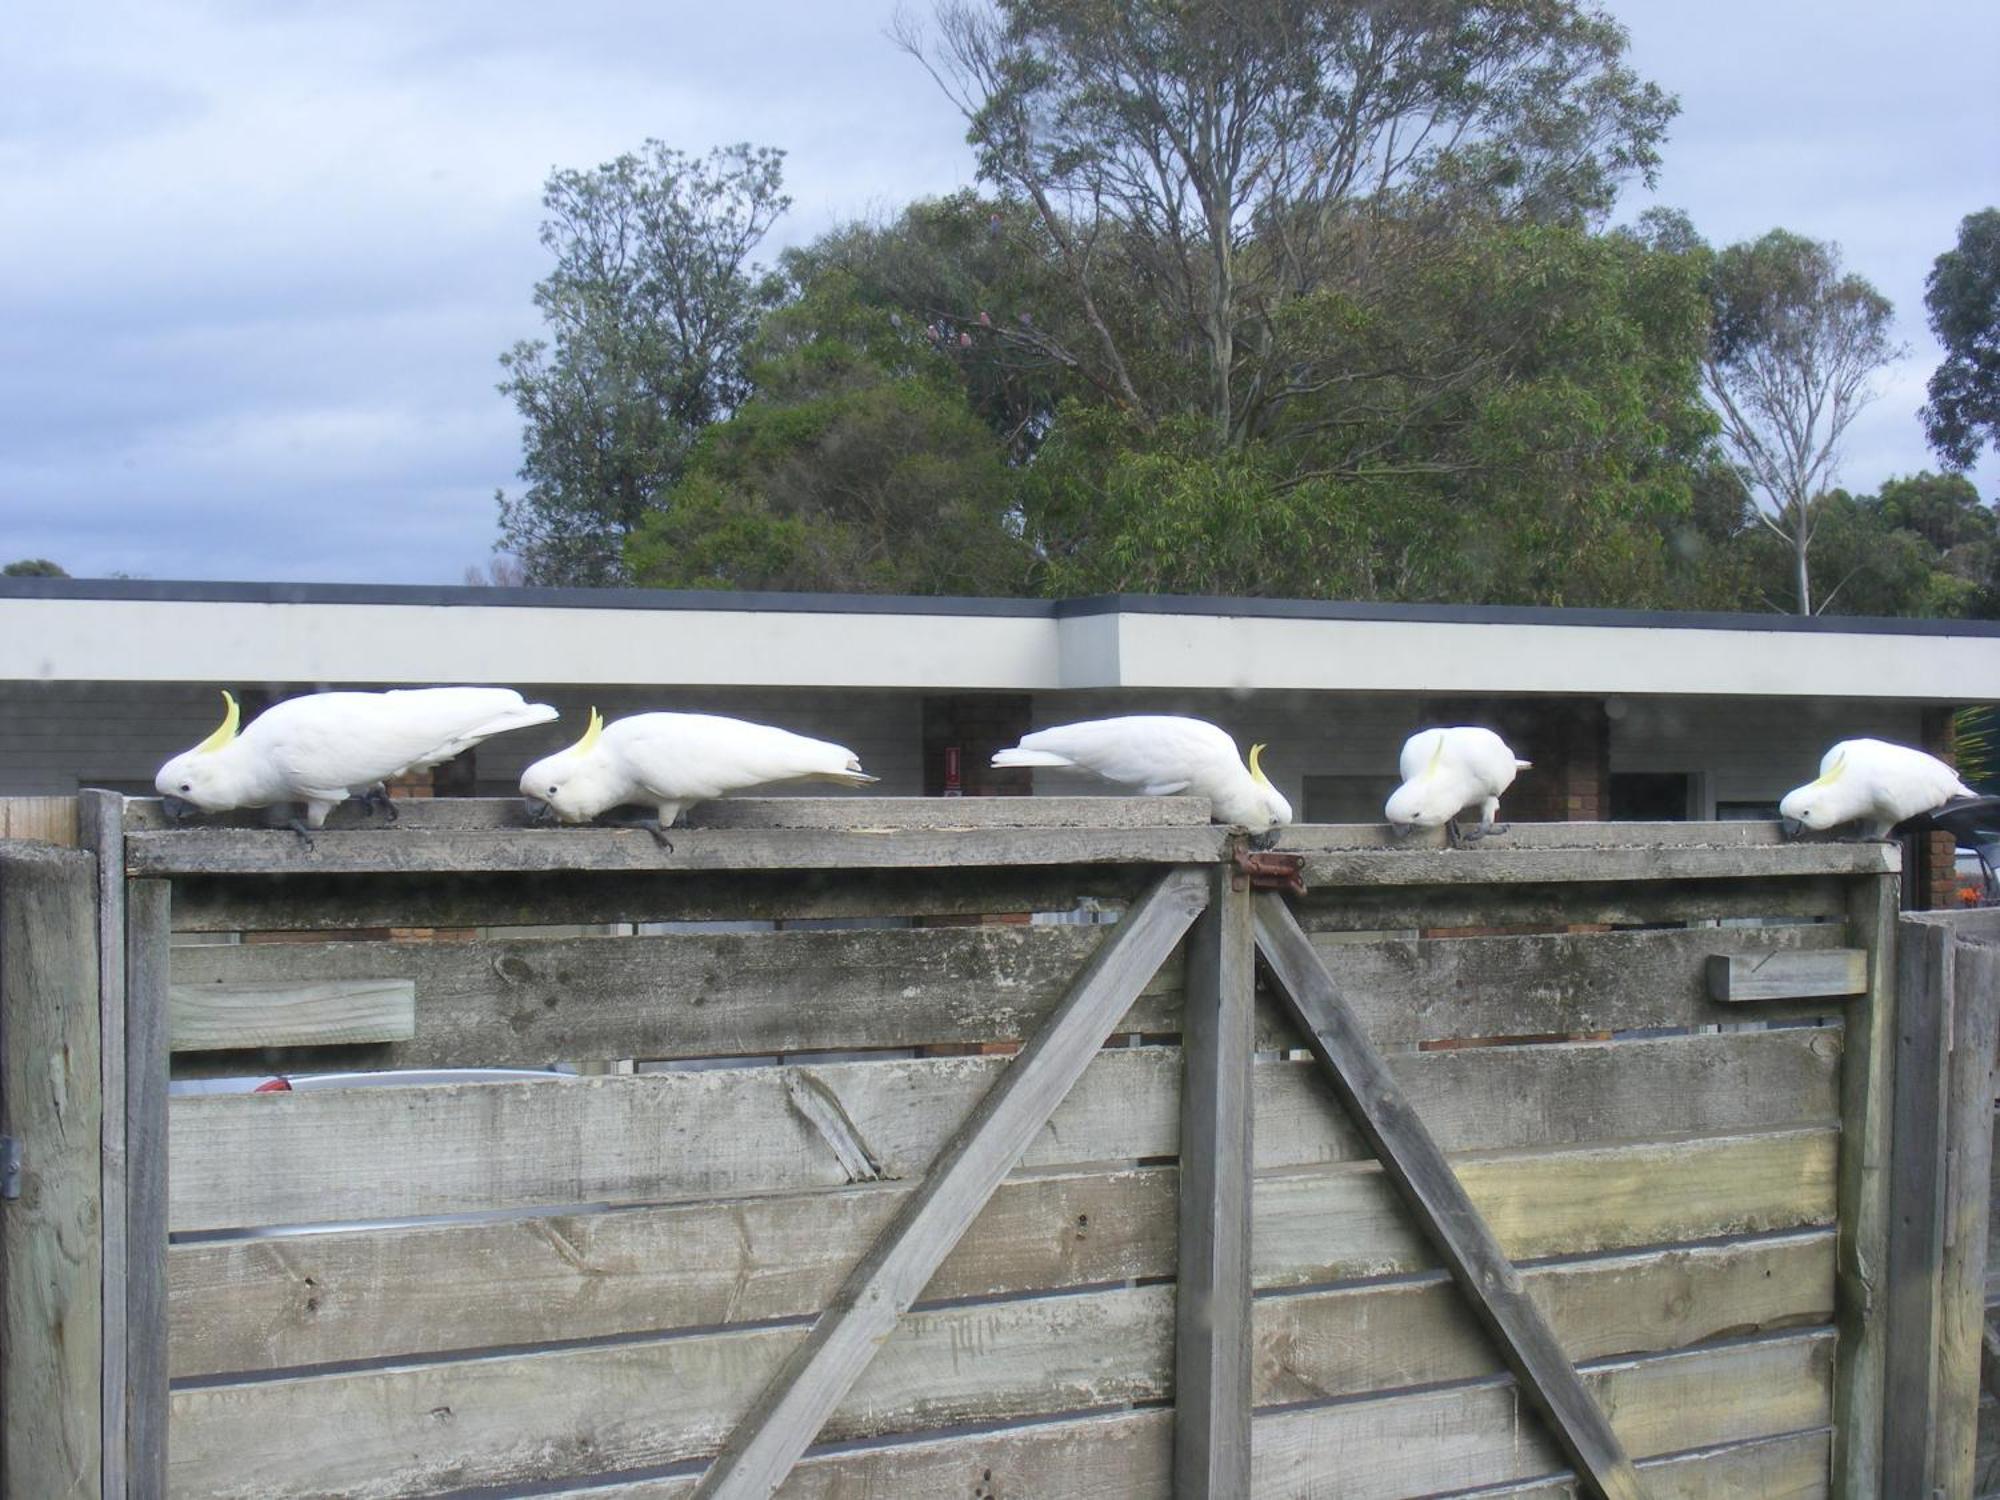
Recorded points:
(939, 1200)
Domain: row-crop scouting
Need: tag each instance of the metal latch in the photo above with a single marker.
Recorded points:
(10, 1166)
(1265, 871)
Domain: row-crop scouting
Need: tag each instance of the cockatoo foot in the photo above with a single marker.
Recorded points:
(377, 797)
(298, 826)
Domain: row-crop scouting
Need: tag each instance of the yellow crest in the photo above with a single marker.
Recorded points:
(1832, 773)
(590, 736)
(1256, 770)
(226, 730)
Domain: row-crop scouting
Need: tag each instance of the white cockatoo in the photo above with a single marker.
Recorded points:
(326, 747)
(1874, 783)
(672, 760)
(1163, 755)
(1448, 770)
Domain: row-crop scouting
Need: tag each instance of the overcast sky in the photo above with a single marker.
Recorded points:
(257, 261)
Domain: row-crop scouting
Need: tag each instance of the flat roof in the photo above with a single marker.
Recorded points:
(146, 630)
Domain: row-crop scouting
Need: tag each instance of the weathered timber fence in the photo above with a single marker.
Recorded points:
(1944, 1261)
(1459, 1172)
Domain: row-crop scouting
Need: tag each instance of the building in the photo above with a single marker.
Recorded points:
(1626, 715)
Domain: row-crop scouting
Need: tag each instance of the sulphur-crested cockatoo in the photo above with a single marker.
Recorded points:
(672, 760)
(1874, 783)
(324, 748)
(1446, 771)
(1163, 755)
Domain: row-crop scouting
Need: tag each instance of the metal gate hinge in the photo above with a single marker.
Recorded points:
(10, 1166)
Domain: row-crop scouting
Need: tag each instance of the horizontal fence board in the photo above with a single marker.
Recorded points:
(1128, 1456)
(1334, 908)
(1428, 989)
(326, 903)
(530, 1001)
(244, 1305)
(1357, 1340)
(850, 814)
(1492, 864)
(1350, 838)
(1737, 977)
(289, 1013)
(1797, 1466)
(524, 1418)
(400, 850)
(44, 820)
(1466, 1437)
(350, 1154)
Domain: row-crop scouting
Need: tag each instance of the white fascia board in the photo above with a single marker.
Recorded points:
(190, 641)
(233, 642)
(1249, 653)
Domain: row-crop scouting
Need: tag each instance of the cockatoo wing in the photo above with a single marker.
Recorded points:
(689, 756)
(1420, 752)
(1159, 753)
(332, 741)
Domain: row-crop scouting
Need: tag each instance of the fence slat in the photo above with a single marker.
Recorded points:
(147, 1149)
(1975, 1040)
(333, 903)
(1212, 1340)
(524, 1419)
(215, 1017)
(51, 1253)
(1494, 865)
(663, 1400)
(531, 1001)
(100, 826)
(1411, 1156)
(242, 1305)
(1390, 907)
(388, 851)
(848, 814)
(255, 1159)
(1911, 1290)
(817, 1375)
(1867, 1082)
(1124, 1457)
(1735, 978)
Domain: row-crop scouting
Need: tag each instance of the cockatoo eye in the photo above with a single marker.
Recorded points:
(553, 791)
(187, 786)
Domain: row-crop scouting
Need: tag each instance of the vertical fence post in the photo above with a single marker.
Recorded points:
(1861, 1238)
(51, 1257)
(1212, 1311)
(1961, 1315)
(1916, 1220)
(100, 818)
(146, 927)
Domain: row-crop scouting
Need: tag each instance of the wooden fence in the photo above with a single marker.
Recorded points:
(1458, 1172)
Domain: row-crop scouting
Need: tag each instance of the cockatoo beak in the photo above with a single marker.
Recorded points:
(1401, 830)
(539, 811)
(179, 808)
(1792, 828)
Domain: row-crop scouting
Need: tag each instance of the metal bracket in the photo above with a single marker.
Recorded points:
(1262, 870)
(10, 1166)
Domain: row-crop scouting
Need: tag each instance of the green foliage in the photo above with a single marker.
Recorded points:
(1963, 297)
(648, 310)
(1198, 168)
(857, 465)
(1921, 546)
(1555, 469)
(33, 567)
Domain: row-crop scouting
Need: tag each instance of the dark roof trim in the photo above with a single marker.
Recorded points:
(455, 596)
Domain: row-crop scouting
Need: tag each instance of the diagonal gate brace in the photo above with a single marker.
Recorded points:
(820, 1371)
(1413, 1162)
